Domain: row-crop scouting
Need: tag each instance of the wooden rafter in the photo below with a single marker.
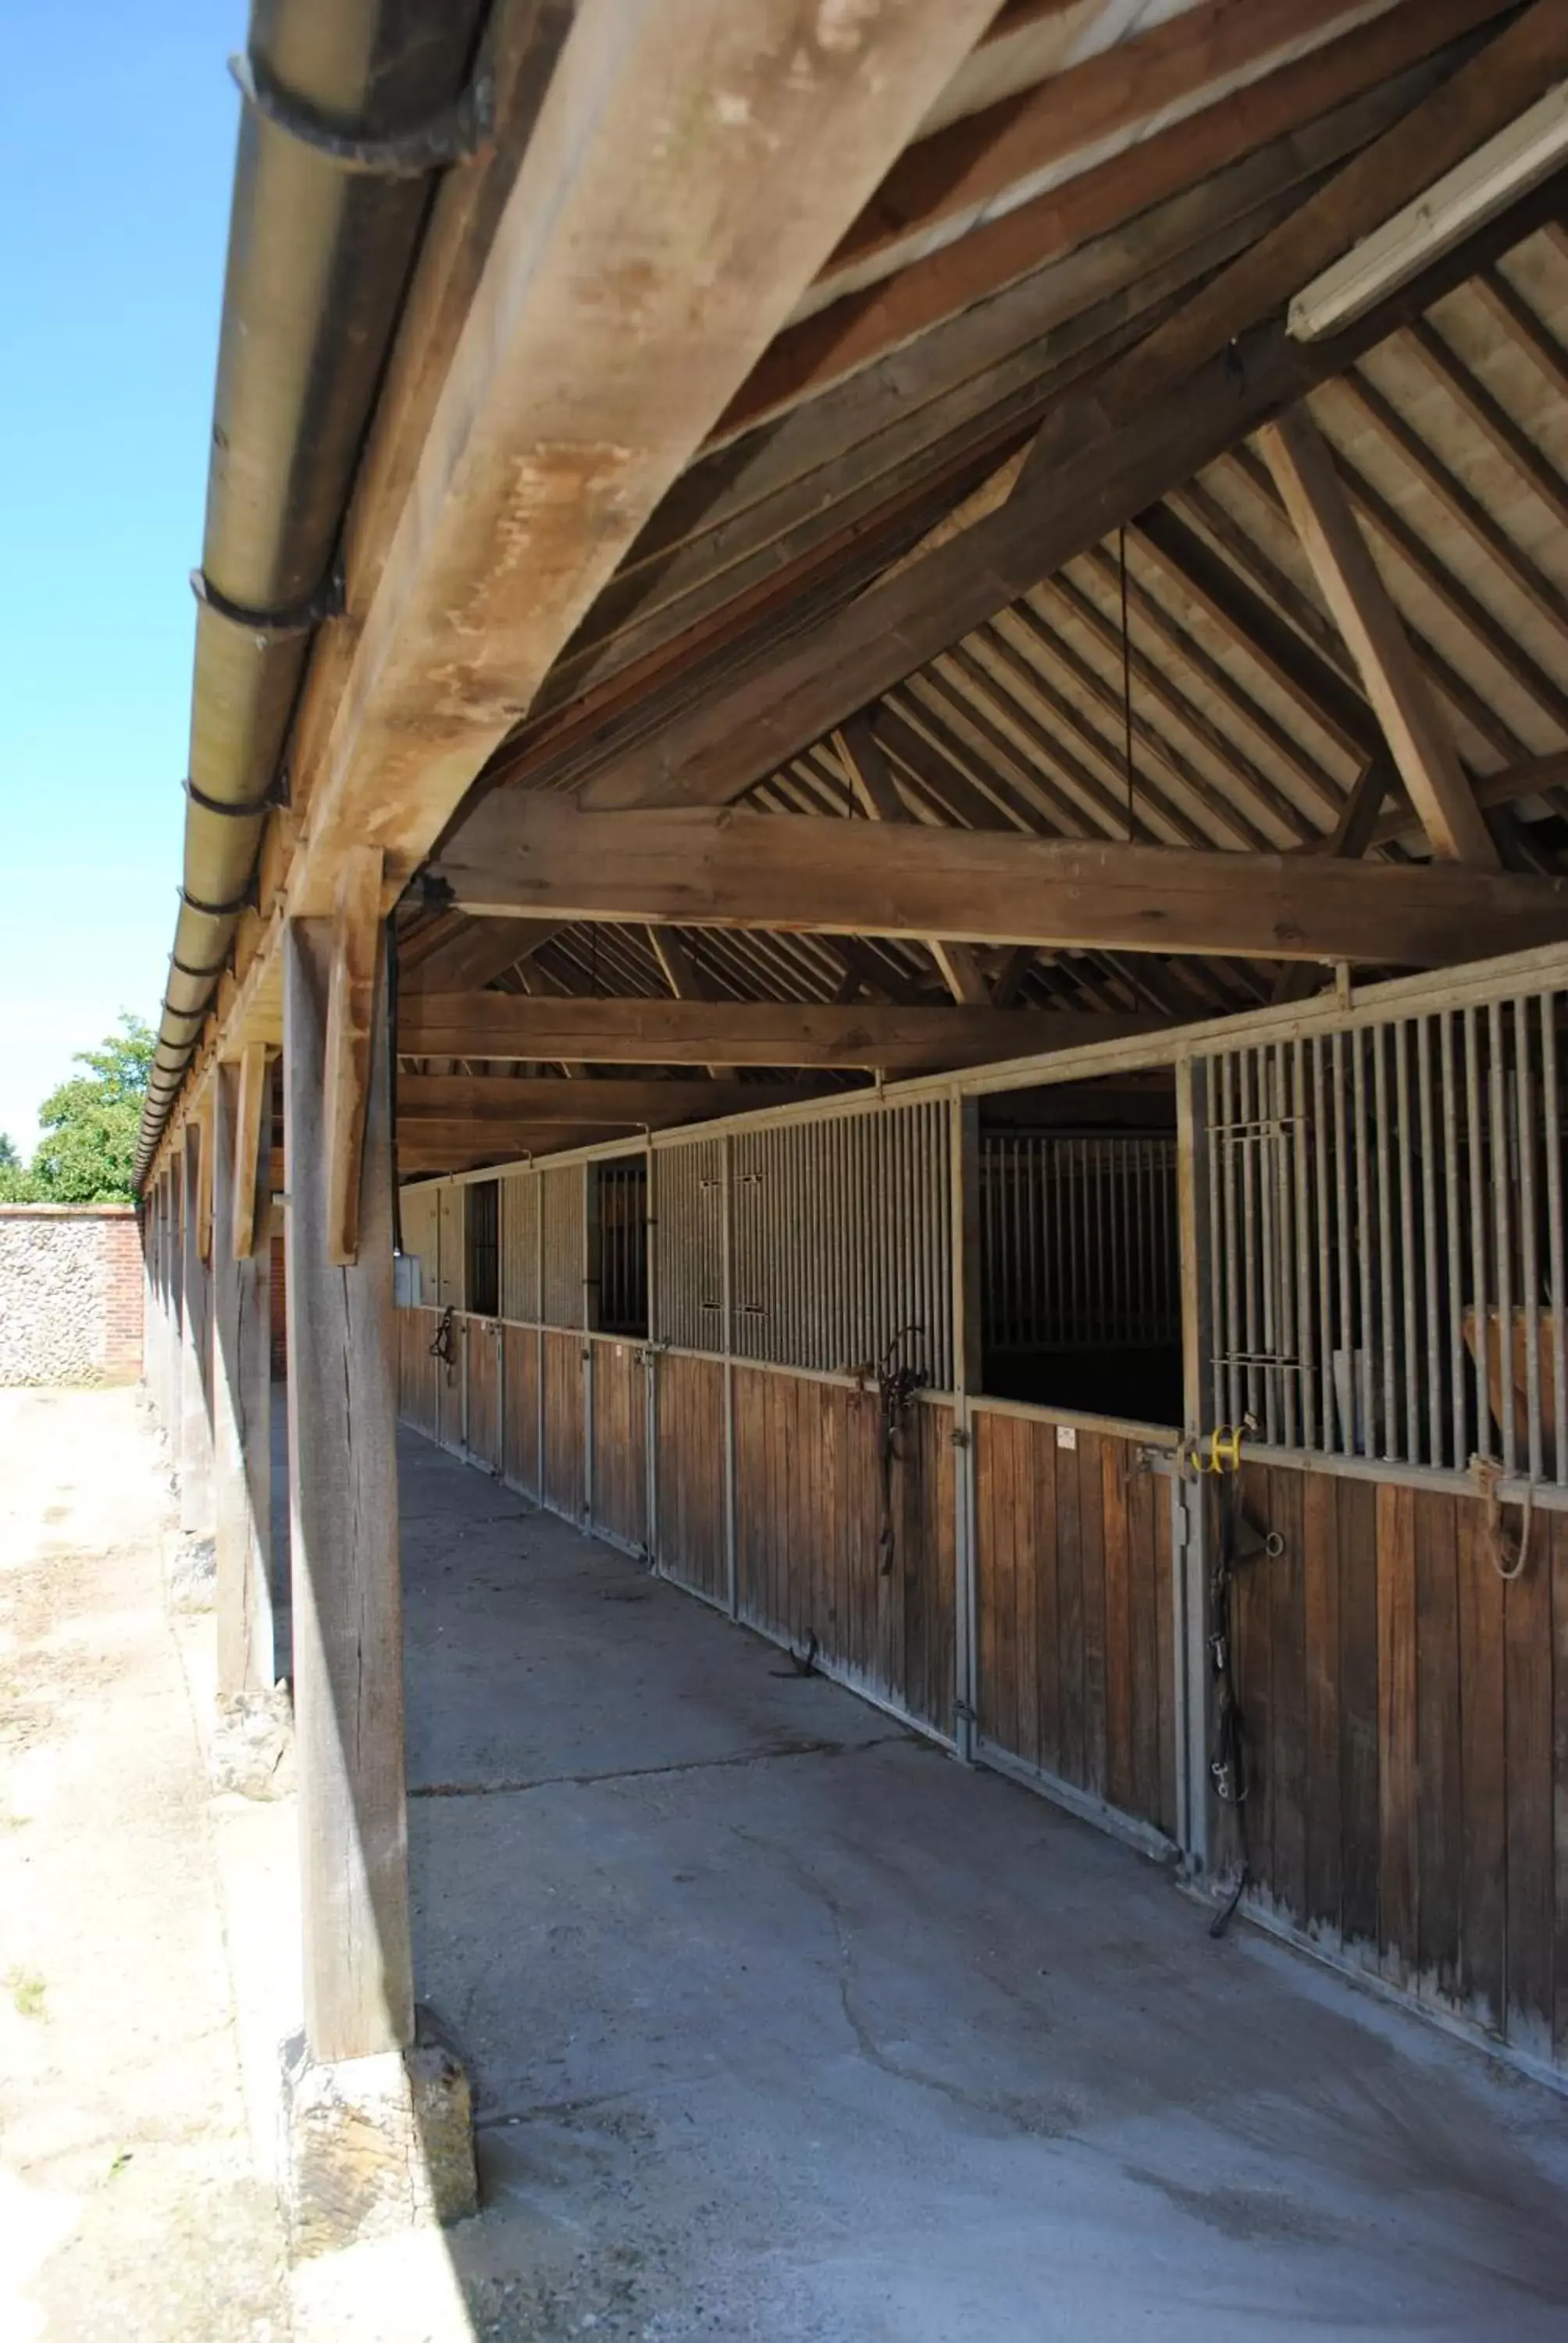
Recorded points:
(1088, 476)
(471, 955)
(862, 755)
(855, 332)
(1413, 725)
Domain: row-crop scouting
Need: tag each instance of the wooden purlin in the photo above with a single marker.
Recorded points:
(497, 1026)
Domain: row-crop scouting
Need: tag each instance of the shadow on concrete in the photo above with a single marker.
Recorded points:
(783, 2024)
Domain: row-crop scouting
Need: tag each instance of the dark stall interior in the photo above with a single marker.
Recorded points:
(1079, 1253)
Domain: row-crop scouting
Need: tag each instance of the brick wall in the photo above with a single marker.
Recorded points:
(70, 1294)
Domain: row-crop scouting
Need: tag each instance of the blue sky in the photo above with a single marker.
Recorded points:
(118, 127)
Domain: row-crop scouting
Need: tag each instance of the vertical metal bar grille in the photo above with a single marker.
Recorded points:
(563, 1203)
(690, 1240)
(842, 1242)
(520, 1247)
(1387, 1208)
(621, 1192)
(1077, 1248)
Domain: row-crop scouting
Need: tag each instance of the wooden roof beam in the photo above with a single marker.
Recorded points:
(1093, 466)
(727, 868)
(856, 1035)
(1352, 74)
(1412, 721)
(556, 430)
(485, 1099)
(1080, 118)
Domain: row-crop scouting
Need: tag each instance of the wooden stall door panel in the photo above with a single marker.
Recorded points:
(416, 1369)
(1406, 1719)
(928, 1559)
(564, 1434)
(1531, 1773)
(620, 1442)
(449, 1404)
(823, 1562)
(484, 1365)
(690, 1419)
(520, 1408)
(1074, 1588)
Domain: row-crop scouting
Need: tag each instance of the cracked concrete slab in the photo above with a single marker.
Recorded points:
(784, 2029)
(784, 2026)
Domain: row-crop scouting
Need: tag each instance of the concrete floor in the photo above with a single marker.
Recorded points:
(132, 2201)
(784, 2026)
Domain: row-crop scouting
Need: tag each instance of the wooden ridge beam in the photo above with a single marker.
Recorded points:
(856, 1035)
(1087, 475)
(727, 868)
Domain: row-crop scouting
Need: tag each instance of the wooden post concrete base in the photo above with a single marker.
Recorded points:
(370, 2146)
(377, 2131)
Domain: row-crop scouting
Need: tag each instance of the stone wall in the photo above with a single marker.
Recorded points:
(70, 1294)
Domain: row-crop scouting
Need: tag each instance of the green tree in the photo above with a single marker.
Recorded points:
(15, 1180)
(89, 1124)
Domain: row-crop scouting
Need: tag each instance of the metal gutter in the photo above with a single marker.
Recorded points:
(349, 106)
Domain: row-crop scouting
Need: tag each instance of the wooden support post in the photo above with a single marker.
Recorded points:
(1190, 1525)
(251, 1153)
(356, 947)
(205, 1188)
(242, 1408)
(196, 1351)
(174, 1281)
(732, 1545)
(157, 1313)
(963, 1140)
(343, 1511)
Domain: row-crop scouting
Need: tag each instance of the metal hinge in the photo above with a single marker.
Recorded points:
(960, 1437)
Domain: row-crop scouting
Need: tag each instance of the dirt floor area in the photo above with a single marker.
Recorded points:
(782, 2025)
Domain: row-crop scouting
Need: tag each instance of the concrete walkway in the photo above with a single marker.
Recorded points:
(784, 2026)
(131, 2201)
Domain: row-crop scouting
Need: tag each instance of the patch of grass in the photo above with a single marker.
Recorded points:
(27, 1989)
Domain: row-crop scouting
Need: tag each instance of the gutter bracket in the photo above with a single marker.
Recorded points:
(245, 810)
(459, 133)
(295, 619)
